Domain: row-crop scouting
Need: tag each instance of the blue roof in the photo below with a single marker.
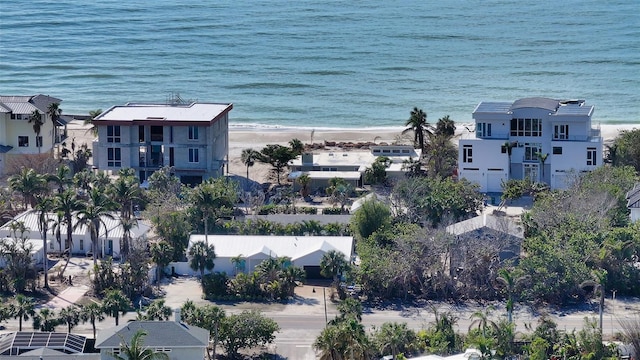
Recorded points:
(493, 107)
(5, 149)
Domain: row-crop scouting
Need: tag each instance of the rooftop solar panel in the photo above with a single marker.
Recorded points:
(13, 343)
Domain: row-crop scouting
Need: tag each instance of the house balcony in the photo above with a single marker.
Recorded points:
(153, 160)
(470, 135)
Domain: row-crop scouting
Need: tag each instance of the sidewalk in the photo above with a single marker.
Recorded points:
(67, 297)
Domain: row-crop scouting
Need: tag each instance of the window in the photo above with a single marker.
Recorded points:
(526, 127)
(483, 130)
(557, 150)
(531, 152)
(193, 133)
(81, 244)
(194, 156)
(591, 156)
(19, 116)
(560, 132)
(23, 141)
(114, 157)
(467, 154)
(113, 134)
(39, 141)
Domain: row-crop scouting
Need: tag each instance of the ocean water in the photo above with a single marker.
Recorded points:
(327, 63)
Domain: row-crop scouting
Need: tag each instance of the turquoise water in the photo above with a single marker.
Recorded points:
(325, 64)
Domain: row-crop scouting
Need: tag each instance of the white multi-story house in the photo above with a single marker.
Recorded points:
(17, 137)
(542, 139)
(192, 138)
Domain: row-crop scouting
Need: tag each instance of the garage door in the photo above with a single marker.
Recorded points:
(313, 272)
(494, 180)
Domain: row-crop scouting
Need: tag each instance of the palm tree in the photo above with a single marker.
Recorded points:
(543, 158)
(508, 147)
(249, 158)
(89, 121)
(135, 349)
(202, 257)
(506, 280)
(44, 207)
(125, 191)
(22, 309)
(598, 285)
(161, 255)
(54, 112)
(418, 124)
(290, 277)
(329, 343)
(304, 180)
(395, 337)
(62, 177)
(157, 310)
(482, 321)
(45, 320)
(333, 264)
(92, 215)
(114, 303)
(36, 119)
(29, 183)
(70, 316)
(296, 146)
(127, 225)
(92, 312)
(445, 127)
(68, 204)
(238, 263)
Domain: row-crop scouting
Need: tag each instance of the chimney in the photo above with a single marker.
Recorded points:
(307, 158)
(176, 314)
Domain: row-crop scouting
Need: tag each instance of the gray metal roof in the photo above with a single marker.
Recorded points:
(493, 107)
(5, 149)
(633, 197)
(26, 104)
(299, 218)
(169, 334)
(498, 223)
(536, 102)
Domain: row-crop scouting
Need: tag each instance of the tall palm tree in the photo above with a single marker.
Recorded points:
(54, 112)
(296, 146)
(202, 257)
(135, 349)
(92, 312)
(127, 225)
(70, 316)
(98, 207)
(22, 309)
(329, 344)
(482, 321)
(115, 303)
(418, 124)
(161, 255)
(332, 265)
(395, 337)
(249, 158)
(62, 177)
(598, 285)
(509, 283)
(68, 204)
(445, 127)
(36, 119)
(44, 206)
(125, 191)
(28, 183)
(238, 263)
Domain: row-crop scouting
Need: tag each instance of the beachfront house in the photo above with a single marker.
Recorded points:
(109, 238)
(192, 138)
(350, 165)
(176, 339)
(17, 136)
(633, 203)
(304, 251)
(542, 139)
